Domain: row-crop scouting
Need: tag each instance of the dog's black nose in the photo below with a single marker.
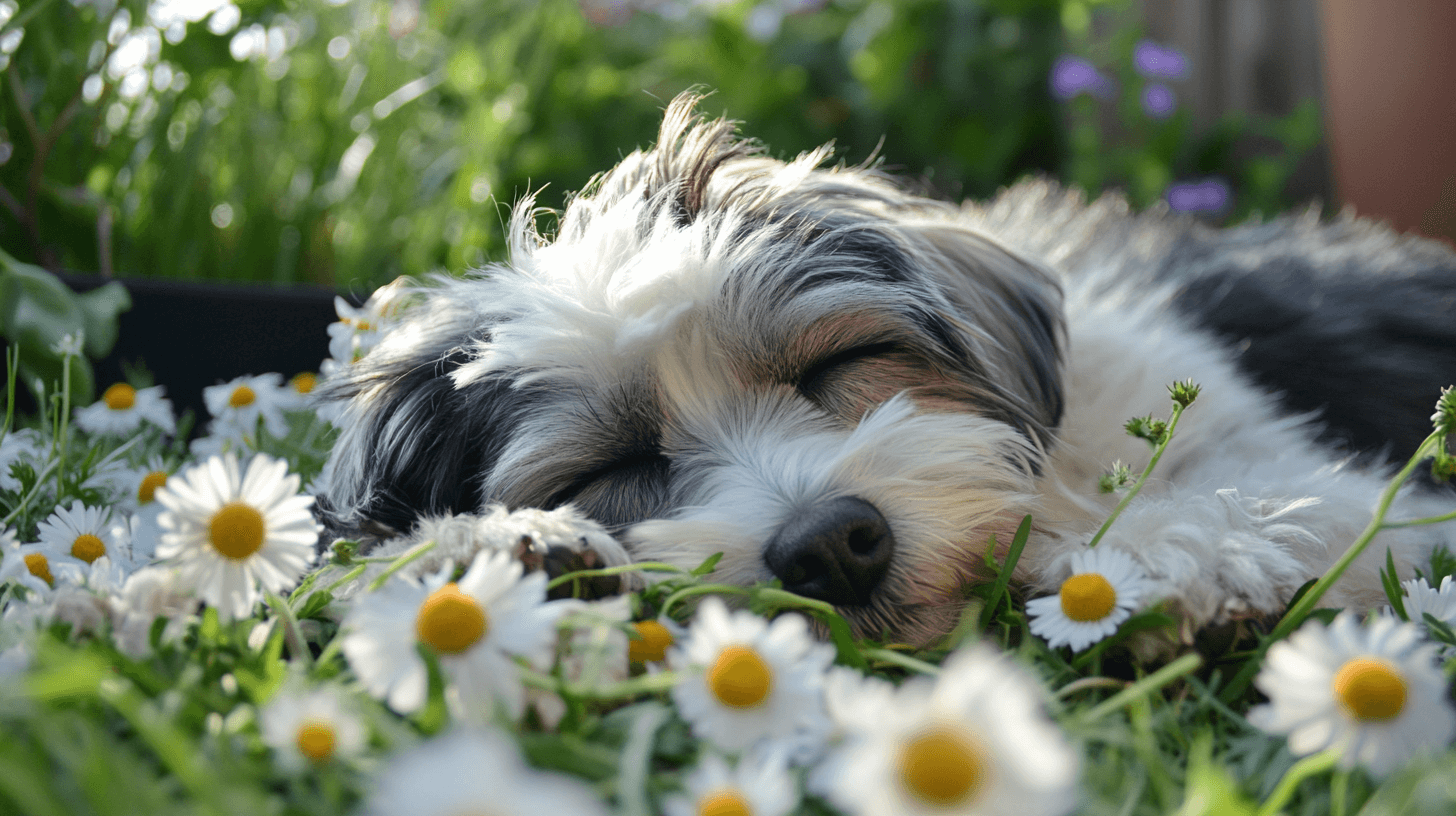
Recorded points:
(836, 551)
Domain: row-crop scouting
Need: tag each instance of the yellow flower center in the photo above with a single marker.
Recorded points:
(88, 548)
(1087, 597)
(316, 740)
(943, 766)
(451, 621)
(724, 803)
(1370, 689)
(304, 382)
(147, 491)
(739, 678)
(236, 530)
(119, 397)
(652, 645)
(242, 395)
(40, 567)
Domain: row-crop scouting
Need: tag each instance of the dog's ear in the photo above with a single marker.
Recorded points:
(414, 442)
(1009, 309)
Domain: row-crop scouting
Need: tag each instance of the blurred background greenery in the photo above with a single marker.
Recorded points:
(344, 143)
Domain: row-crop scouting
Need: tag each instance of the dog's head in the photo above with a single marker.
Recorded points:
(827, 379)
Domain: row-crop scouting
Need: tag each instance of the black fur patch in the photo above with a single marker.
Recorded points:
(428, 444)
(1369, 352)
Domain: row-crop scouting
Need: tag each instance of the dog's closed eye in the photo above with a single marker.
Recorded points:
(818, 376)
(634, 474)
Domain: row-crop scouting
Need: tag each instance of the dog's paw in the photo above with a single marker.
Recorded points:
(557, 541)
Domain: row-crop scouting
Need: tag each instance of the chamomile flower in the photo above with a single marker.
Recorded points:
(652, 638)
(1372, 692)
(87, 534)
(1420, 599)
(235, 535)
(477, 626)
(136, 487)
(745, 680)
(148, 594)
(37, 567)
(758, 784)
(972, 741)
(475, 771)
(237, 405)
(1104, 589)
(310, 727)
(123, 408)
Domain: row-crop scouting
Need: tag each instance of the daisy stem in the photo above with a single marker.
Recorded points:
(12, 367)
(904, 661)
(634, 766)
(348, 576)
(292, 634)
(401, 561)
(1297, 613)
(643, 566)
(1297, 773)
(1389, 525)
(1340, 792)
(1132, 492)
(701, 589)
(329, 651)
(628, 689)
(1187, 664)
(63, 421)
(783, 599)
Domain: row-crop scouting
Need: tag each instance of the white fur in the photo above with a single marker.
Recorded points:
(664, 316)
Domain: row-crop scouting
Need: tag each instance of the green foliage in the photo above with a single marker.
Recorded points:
(344, 144)
(38, 311)
(373, 145)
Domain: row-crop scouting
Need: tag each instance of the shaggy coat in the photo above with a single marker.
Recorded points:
(854, 389)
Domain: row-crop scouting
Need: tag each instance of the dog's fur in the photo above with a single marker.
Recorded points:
(836, 382)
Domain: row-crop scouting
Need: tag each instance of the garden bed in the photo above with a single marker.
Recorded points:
(162, 653)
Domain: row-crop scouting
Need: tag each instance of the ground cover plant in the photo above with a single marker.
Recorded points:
(170, 643)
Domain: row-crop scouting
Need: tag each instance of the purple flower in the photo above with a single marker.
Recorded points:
(1209, 195)
(1153, 60)
(1159, 101)
(1073, 75)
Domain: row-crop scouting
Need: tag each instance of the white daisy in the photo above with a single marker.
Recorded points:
(38, 567)
(237, 405)
(746, 680)
(25, 445)
(972, 741)
(1372, 692)
(122, 410)
(221, 439)
(136, 487)
(1421, 599)
(87, 534)
(475, 771)
(84, 610)
(1104, 589)
(310, 727)
(476, 625)
(759, 784)
(856, 701)
(651, 640)
(233, 536)
(299, 386)
(148, 594)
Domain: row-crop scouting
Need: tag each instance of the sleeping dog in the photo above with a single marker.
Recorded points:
(854, 389)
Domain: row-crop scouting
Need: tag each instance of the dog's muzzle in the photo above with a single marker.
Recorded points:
(836, 551)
